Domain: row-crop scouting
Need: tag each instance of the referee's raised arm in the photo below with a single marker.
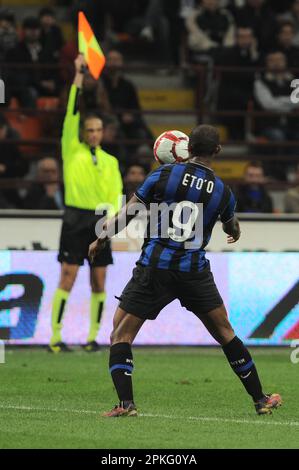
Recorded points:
(71, 124)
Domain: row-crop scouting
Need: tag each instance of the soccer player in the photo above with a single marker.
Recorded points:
(92, 179)
(169, 269)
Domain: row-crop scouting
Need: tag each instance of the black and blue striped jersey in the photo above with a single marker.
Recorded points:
(177, 183)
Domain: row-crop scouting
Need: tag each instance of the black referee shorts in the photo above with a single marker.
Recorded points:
(77, 233)
(151, 289)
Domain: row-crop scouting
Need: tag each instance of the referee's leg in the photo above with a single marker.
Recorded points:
(68, 276)
(97, 302)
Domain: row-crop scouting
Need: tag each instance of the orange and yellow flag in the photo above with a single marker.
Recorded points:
(89, 47)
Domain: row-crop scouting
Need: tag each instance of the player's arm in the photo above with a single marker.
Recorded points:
(70, 130)
(144, 195)
(232, 228)
(112, 226)
(230, 223)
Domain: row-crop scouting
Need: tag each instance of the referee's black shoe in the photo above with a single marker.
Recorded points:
(58, 348)
(91, 346)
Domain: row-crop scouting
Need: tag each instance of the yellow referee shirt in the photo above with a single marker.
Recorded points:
(87, 185)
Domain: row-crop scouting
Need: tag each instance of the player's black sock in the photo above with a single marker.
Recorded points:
(242, 364)
(121, 368)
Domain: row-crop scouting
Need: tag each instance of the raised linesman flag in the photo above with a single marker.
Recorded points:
(89, 47)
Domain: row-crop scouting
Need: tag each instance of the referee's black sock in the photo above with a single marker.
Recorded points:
(242, 364)
(121, 368)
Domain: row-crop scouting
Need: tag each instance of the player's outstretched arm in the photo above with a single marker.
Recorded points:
(113, 226)
(232, 228)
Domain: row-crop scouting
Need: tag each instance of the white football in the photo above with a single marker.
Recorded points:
(171, 147)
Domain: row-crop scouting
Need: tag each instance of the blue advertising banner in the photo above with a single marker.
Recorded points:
(260, 291)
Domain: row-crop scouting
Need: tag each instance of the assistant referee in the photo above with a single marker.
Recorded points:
(92, 179)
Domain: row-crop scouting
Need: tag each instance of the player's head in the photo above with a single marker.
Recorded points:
(92, 130)
(204, 142)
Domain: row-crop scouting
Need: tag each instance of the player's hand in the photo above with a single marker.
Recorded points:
(80, 63)
(233, 238)
(95, 247)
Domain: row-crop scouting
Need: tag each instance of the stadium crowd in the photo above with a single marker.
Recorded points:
(259, 37)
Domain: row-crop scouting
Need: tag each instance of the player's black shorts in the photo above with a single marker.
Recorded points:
(78, 231)
(151, 289)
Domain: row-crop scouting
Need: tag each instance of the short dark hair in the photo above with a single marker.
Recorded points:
(285, 23)
(31, 22)
(7, 15)
(203, 141)
(46, 11)
(90, 115)
(254, 164)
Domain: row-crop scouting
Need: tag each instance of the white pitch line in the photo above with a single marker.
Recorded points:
(148, 415)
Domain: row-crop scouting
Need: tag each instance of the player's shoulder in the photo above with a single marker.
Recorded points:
(227, 191)
(220, 181)
(165, 168)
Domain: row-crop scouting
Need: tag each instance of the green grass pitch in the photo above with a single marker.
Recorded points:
(187, 398)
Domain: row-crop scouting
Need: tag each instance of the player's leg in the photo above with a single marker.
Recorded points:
(97, 302)
(121, 365)
(118, 317)
(145, 295)
(68, 276)
(239, 358)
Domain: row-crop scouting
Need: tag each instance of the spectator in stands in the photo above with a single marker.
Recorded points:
(134, 176)
(47, 193)
(293, 16)
(51, 34)
(67, 56)
(285, 43)
(144, 157)
(4, 203)
(272, 93)
(257, 15)
(291, 199)
(110, 142)
(11, 163)
(236, 88)
(209, 27)
(8, 33)
(123, 96)
(94, 95)
(154, 27)
(252, 195)
(28, 83)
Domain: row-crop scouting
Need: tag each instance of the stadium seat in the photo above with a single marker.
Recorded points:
(47, 102)
(29, 128)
